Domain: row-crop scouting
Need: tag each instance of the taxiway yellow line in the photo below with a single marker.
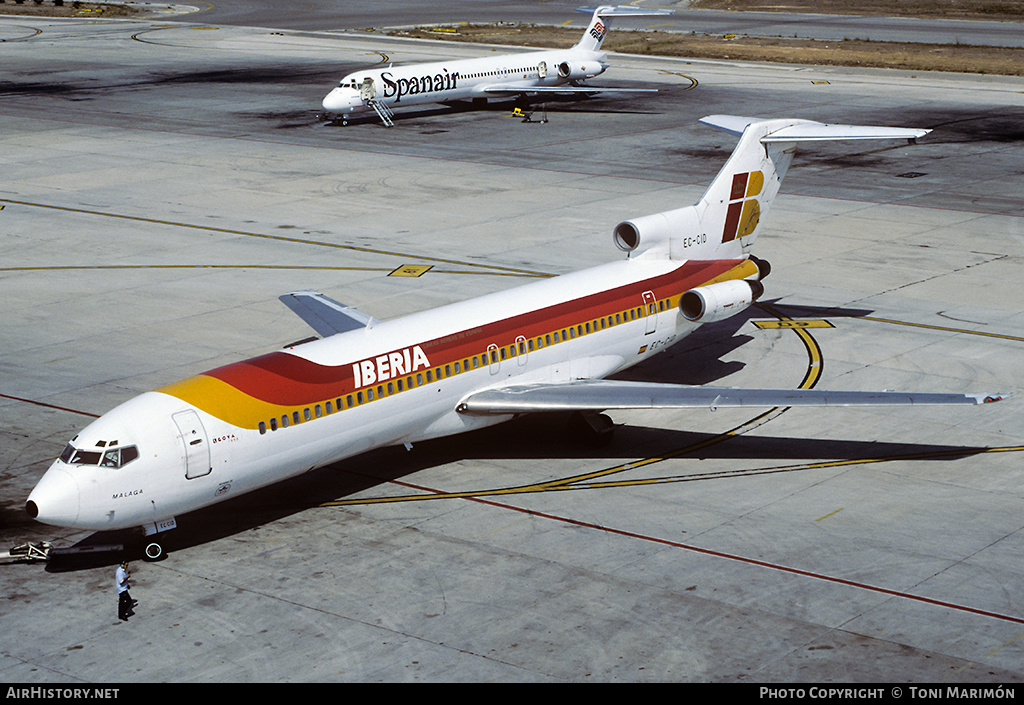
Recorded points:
(947, 329)
(488, 268)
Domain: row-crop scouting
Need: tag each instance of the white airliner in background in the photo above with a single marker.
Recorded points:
(558, 71)
(544, 346)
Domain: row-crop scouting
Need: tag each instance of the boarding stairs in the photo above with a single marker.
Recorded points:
(382, 110)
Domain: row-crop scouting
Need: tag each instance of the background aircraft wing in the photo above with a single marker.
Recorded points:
(601, 395)
(326, 316)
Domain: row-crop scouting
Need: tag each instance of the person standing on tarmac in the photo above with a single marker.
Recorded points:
(124, 600)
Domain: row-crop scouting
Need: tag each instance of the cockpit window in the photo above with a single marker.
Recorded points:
(65, 456)
(112, 458)
(85, 457)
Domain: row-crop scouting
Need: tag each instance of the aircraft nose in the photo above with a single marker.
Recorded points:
(335, 101)
(55, 500)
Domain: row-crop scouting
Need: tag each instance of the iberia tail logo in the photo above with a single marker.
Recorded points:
(744, 210)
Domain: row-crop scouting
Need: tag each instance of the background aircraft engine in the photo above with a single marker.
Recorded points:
(716, 302)
(579, 69)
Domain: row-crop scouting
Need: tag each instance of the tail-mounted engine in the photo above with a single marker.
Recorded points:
(675, 234)
(576, 70)
(716, 302)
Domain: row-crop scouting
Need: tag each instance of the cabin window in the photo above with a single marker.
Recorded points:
(401, 384)
(447, 371)
(504, 353)
(522, 348)
(328, 409)
(369, 394)
(529, 344)
(419, 379)
(263, 427)
(317, 411)
(572, 332)
(284, 421)
(618, 319)
(305, 414)
(359, 397)
(588, 326)
(430, 376)
(295, 417)
(273, 424)
(391, 388)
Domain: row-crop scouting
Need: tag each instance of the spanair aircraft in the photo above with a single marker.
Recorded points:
(557, 72)
(544, 346)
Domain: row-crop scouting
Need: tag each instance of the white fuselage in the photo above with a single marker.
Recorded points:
(209, 437)
(443, 81)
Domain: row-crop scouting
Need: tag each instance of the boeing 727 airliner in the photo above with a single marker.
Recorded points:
(558, 71)
(544, 346)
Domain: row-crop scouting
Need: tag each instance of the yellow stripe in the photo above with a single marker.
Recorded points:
(744, 269)
(220, 399)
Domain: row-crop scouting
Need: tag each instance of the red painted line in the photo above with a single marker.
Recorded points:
(739, 559)
(49, 406)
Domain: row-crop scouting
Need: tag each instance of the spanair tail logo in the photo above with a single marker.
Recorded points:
(744, 211)
(598, 31)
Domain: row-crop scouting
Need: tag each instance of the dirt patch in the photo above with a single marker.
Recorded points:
(852, 52)
(947, 9)
(64, 9)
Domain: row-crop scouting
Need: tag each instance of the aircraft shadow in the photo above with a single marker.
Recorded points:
(552, 104)
(532, 437)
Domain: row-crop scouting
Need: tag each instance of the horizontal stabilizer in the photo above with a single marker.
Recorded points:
(601, 395)
(810, 131)
(325, 316)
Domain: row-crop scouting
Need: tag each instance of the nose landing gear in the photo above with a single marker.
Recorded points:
(153, 547)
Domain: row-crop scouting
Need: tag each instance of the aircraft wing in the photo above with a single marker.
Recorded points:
(506, 89)
(601, 395)
(326, 316)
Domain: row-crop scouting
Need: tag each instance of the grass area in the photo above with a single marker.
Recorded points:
(64, 8)
(949, 9)
(849, 52)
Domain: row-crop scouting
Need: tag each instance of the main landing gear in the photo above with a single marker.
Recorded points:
(591, 428)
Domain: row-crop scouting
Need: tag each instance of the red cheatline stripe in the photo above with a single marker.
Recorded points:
(289, 380)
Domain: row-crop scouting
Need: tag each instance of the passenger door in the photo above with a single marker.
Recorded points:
(195, 443)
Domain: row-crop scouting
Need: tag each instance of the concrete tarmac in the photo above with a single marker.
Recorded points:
(163, 183)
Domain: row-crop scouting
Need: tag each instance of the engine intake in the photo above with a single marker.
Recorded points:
(716, 302)
(579, 69)
(663, 234)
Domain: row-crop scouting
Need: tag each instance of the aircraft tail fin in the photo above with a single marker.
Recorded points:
(727, 219)
(596, 31)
